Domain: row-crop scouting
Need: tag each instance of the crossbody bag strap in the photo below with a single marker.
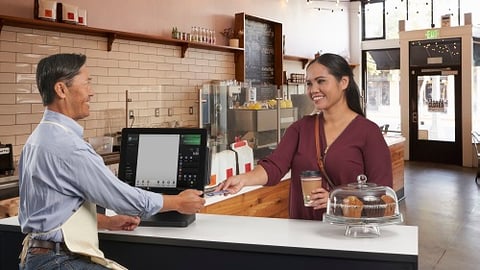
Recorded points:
(318, 145)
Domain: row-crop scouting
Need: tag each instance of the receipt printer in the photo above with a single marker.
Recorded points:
(6, 159)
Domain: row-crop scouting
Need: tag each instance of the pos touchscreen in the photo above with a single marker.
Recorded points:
(167, 161)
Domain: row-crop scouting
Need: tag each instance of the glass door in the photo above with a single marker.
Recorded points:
(435, 124)
(435, 100)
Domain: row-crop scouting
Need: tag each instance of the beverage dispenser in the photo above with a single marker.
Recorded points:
(215, 99)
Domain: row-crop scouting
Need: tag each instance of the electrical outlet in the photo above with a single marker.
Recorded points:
(170, 111)
(157, 112)
(131, 115)
(190, 110)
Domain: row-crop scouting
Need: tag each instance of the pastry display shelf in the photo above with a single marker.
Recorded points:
(110, 35)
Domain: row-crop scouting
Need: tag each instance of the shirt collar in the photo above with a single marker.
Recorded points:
(63, 120)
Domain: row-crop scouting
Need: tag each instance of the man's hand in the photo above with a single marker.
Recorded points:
(186, 202)
(190, 201)
(117, 222)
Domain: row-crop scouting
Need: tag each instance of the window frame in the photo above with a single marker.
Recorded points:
(364, 5)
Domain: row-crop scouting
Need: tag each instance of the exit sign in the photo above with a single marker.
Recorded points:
(432, 34)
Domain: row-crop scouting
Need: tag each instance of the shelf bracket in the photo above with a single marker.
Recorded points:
(111, 39)
(304, 63)
(237, 56)
(2, 22)
(184, 49)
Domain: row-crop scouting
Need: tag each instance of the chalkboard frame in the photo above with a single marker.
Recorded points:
(240, 66)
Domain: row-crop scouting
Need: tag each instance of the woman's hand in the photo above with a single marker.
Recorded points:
(319, 198)
(233, 184)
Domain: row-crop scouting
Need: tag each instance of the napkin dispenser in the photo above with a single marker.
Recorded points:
(6, 159)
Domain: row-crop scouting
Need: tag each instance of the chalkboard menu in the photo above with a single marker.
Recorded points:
(259, 50)
(261, 62)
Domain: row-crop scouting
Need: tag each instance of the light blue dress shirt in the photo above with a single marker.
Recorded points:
(59, 170)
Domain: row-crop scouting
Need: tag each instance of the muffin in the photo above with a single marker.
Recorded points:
(352, 207)
(373, 206)
(390, 205)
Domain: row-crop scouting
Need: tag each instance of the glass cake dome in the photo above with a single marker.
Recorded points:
(363, 207)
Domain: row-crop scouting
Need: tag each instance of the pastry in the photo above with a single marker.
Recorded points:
(352, 207)
(390, 205)
(373, 206)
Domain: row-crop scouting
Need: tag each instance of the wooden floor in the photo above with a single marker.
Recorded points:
(444, 202)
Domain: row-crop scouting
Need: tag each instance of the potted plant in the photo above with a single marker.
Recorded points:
(232, 36)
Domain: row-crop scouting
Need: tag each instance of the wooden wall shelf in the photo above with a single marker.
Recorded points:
(110, 35)
(304, 60)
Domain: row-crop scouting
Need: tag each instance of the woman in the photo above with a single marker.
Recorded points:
(348, 143)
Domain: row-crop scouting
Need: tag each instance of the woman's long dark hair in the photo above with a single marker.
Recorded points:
(339, 67)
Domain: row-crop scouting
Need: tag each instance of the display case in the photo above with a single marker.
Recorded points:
(362, 208)
(230, 113)
(261, 128)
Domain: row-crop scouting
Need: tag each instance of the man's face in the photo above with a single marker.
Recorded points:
(78, 94)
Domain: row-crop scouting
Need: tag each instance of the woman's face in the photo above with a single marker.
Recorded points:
(324, 89)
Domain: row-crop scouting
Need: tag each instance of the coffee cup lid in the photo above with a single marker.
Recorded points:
(310, 174)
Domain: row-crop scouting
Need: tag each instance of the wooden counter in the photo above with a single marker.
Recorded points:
(269, 201)
(396, 144)
(272, 201)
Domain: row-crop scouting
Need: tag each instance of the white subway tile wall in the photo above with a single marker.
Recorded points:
(154, 74)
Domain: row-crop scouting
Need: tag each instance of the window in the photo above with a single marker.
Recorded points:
(417, 15)
(476, 85)
(374, 20)
(395, 10)
(382, 104)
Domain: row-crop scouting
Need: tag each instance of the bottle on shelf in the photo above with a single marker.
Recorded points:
(203, 36)
(174, 32)
(193, 34)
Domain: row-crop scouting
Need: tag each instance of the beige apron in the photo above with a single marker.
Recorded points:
(81, 237)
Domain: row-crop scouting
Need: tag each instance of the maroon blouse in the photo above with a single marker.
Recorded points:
(359, 149)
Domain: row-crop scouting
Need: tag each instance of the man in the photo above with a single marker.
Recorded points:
(62, 178)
